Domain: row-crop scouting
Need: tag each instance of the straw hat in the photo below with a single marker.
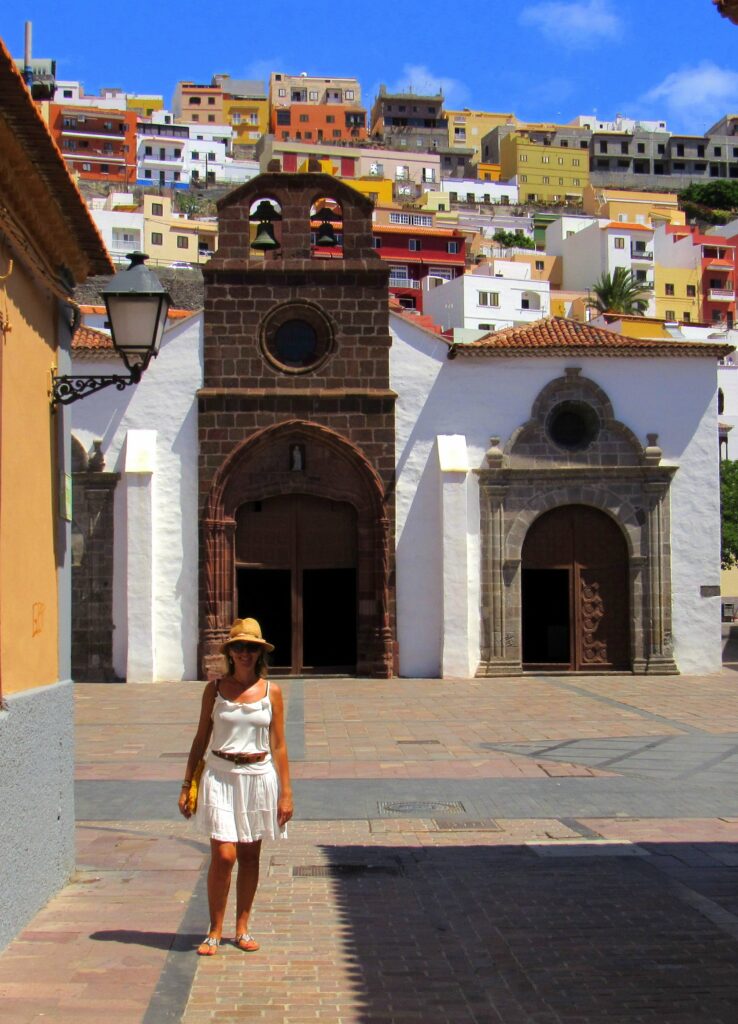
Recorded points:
(247, 631)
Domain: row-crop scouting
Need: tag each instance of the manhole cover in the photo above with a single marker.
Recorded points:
(465, 825)
(342, 870)
(416, 743)
(429, 807)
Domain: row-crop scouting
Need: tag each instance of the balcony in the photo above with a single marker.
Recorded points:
(405, 282)
(721, 295)
(93, 153)
(641, 254)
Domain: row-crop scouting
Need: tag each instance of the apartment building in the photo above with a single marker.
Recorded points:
(696, 275)
(174, 155)
(590, 248)
(195, 103)
(245, 109)
(410, 121)
(494, 295)
(316, 109)
(98, 145)
(549, 163)
(71, 93)
(120, 222)
(420, 254)
(173, 238)
(467, 128)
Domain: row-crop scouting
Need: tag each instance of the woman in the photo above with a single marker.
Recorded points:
(245, 794)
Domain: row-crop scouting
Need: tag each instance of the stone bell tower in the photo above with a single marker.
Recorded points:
(296, 429)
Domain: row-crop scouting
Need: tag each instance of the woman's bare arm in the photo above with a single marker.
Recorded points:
(278, 744)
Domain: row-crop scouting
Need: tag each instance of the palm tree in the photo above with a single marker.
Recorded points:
(619, 292)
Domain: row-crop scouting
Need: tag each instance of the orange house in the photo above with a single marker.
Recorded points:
(311, 122)
(97, 144)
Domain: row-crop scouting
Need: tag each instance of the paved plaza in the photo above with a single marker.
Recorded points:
(538, 850)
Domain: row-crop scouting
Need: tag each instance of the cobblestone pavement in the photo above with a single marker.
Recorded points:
(543, 850)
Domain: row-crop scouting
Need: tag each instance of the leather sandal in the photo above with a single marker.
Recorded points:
(211, 943)
(246, 943)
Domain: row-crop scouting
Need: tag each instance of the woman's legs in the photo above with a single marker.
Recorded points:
(248, 878)
(222, 859)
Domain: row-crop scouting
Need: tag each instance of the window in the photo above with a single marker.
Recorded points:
(523, 177)
(195, 117)
(88, 167)
(402, 173)
(195, 154)
(283, 117)
(691, 291)
(211, 156)
(104, 169)
(641, 147)
(398, 276)
(560, 160)
(429, 174)
(157, 209)
(211, 101)
(281, 92)
(700, 151)
(524, 158)
(67, 94)
(687, 316)
(576, 181)
(313, 96)
(304, 118)
(195, 101)
(157, 238)
(414, 245)
(452, 247)
(546, 159)
(330, 119)
(540, 265)
(377, 242)
(619, 242)
(718, 150)
(483, 298)
(546, 180)
(670, 314)
(177, 176)
(148, 151)
(183, 242)
(641, 275)
(603, 147)
(211, 117)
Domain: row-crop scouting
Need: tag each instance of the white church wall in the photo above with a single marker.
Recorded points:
(163, 401)
(479, 398)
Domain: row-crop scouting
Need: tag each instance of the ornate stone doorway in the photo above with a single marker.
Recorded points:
(296, 533)
(575, 592)
(296, 560)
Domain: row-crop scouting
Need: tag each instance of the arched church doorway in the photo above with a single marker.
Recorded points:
(575, 607)
(296, 572)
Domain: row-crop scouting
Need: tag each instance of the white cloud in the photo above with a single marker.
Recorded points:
(573, 23)
(694, 98)
(420, 79)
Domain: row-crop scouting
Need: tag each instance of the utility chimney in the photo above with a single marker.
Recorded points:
(27, 71)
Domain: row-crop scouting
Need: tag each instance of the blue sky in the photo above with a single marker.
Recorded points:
(541, 59)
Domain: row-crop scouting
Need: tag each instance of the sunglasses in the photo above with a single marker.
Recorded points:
(239, 647)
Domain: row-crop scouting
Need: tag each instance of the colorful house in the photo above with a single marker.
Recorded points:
(98, 144)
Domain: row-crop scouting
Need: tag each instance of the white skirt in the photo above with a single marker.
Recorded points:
(238, 807)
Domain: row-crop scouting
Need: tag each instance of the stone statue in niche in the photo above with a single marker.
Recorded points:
(297, 458)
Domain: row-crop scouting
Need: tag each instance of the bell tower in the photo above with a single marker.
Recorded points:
(296, 428)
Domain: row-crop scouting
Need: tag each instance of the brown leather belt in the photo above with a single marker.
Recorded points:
(239, 758)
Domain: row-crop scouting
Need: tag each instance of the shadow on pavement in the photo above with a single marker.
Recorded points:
(156, 940)
(510, 935)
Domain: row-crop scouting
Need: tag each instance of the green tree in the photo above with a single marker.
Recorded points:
(728, 513)
(513, 239)
(719, 194)
(620, 292)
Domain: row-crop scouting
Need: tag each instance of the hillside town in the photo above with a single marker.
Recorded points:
(438, 400)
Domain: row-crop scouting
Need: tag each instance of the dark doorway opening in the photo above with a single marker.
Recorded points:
(546, 617)
(266, 595)
(329, 619)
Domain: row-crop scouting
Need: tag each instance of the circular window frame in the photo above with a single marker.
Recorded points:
(591, 422)
(305, 313)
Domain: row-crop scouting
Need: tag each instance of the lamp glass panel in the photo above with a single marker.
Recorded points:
(137, 323)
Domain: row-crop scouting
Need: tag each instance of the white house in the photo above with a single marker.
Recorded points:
(471, 190)
(492, 296)
(121, 227)
(590, 247)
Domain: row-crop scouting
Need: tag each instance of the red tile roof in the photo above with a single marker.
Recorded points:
(88, 339)
(560, 336)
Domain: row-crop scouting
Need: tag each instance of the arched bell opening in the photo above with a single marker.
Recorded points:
(326, 228)
(265, 228)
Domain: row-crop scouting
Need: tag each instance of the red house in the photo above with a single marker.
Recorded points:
(419, 256)
(97, 144)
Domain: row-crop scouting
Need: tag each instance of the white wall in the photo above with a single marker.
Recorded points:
(496, 191)
(479, 398)
(164, 401)
(112, 224)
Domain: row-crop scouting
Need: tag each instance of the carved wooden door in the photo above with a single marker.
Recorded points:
(575, 592)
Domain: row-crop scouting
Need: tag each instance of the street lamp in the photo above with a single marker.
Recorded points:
(137, 304)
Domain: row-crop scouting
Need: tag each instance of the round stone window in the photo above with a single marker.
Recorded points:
(573, 425)
(296, 338)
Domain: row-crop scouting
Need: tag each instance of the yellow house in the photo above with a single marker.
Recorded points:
(542, 267)
(249, 118)
(379, 190)
(144, 106)
(171, 237)
(467, 128)
(677, 293)
(571, 304)
(489, 172)
(652, 208)
(48, 244)
(545, 174)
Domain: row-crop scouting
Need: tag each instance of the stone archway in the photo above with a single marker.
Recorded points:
(573, 451)
(298, 459)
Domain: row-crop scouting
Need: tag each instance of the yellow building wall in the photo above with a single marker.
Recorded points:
(616, 204)
(679, 303)
(144, 105)
(170, 228)
(489, 172)
(251, 119)
(28, 486)
(548, 173)
(378, 189)
(476, 124)
(552, 270)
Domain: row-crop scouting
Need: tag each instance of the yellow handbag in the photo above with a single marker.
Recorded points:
(194, 786)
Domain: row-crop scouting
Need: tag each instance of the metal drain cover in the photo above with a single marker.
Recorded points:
(429, 807)
(342, 870)
(465, 825)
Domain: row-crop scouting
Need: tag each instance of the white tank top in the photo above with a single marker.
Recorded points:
(241, 728)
